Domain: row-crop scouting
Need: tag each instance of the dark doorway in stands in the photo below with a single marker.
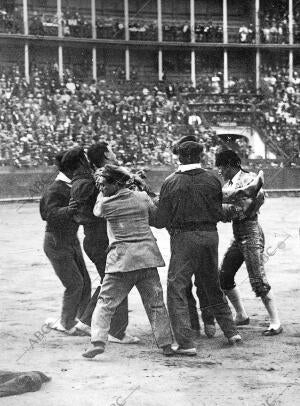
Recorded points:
(237, 142)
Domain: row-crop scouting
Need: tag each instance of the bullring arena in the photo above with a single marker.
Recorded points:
(140, 75)
(262, 370)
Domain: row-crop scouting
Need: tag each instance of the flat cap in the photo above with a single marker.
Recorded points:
(114, 173)
(181, 141)
(72, 157)
(189, 148)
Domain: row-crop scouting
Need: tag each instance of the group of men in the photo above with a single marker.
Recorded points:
(116, 211)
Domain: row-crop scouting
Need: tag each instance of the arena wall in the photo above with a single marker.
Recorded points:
(15, 183)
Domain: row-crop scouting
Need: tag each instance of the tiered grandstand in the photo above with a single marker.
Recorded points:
(140, 74)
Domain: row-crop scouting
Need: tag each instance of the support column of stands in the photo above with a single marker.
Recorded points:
(225, 74)
(25, 17)
(257, 69)
(160, 39)
(127, 54)
(60, 35)
(225, 22)
(291, 40)
(193, 59)
(94, 36)
(257, 21)
(225, 41)
(257, 40)
(26, 46)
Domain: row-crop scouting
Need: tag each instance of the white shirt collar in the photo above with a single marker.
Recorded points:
(189, 167)
(235, 179)
(61, 176)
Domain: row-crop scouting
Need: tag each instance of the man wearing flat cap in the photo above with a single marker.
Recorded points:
(186, 138)
(62, 247)
(206, 312)
(132, 260)
(190, 206)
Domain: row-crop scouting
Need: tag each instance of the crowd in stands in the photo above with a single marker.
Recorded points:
(273, 30)
(273, 21)
(40, 118)
(76, 25)
(216, 106)
(141, 122)
(204, 32)
(275, 33)
(281, 109)
(276, 111)
(11, 21)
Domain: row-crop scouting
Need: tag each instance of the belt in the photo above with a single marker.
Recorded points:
(205, 226)
(245, 220)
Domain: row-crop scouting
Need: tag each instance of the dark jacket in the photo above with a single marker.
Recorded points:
(85, 193)
(190, 200)
(54, 209)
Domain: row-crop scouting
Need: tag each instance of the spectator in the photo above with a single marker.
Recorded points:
(216, 83)
(194, 120)
(36, 26)
(243, 34)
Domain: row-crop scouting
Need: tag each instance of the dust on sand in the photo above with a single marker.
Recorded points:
(263, 371)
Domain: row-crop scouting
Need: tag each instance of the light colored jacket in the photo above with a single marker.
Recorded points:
(132, 245)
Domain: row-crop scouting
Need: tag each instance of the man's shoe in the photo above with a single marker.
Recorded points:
(94, 350)
(210, 330)
(244, 322)
(84, 328)
(168, 351)
(186, 351)
(55, 324)
(272, 332)
(127, 339)
(236, 339)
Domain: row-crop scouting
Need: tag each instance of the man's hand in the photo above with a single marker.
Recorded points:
(247, 205)
(98, 206)
(73, 207)
(142, 186)
(98, 177)
(139, 182)
(253, 208)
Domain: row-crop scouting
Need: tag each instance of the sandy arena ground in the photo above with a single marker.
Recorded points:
(263, 371)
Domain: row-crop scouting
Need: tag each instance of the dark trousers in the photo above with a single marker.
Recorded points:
(116, 287)
(195, 253)
(68, 263)
(95, 245)
(248, 245)
(206, 312)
